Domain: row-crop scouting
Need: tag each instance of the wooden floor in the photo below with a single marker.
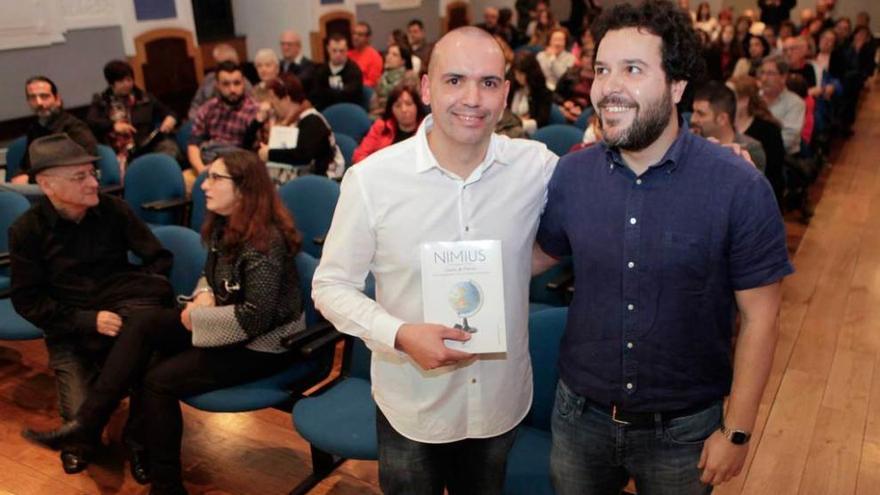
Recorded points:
(818, 430)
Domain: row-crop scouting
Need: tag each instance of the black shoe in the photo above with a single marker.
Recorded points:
(139, 464)
(74, 461)
(70, 433)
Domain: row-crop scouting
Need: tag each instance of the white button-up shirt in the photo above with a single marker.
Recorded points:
(391, 203)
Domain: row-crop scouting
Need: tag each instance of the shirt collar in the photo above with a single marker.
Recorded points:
(53, 217)
(425, 159)
(673, 157)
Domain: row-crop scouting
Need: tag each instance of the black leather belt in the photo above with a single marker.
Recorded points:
(644, 419)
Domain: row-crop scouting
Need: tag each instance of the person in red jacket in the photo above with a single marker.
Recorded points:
(404, 112)
(364, 55)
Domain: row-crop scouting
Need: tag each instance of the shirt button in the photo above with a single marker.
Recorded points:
(632, 220)
(639, 181)
(629, 386)
(467, 229)
(630, 265)
(629, 345)
(473, 380)
(630, 307)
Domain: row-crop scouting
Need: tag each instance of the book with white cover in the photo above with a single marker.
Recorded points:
(283, 137)
(463, 287)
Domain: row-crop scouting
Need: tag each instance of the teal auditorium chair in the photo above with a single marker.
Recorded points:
(528, 465)
(550, 288)
(14, 156)
(347, 145)
(559, 138)
(340, 421)
(108, 165)
(12, 325)
(366, 97)
(584, 118)
(197, 207)
(286, 386)
(556, 115)
(153, 183)
(348, 118)
(312, 200)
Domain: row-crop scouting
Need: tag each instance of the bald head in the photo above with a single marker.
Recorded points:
(465, 40)
(291, 45)
(224, 53)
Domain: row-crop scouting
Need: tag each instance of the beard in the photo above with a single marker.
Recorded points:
(231, 100)
(647, 125)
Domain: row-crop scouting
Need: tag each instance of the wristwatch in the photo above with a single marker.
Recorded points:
(736, 437)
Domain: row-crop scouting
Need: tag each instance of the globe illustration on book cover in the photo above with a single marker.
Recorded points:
(465, 298)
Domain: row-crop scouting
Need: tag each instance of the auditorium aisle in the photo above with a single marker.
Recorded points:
(818, 430)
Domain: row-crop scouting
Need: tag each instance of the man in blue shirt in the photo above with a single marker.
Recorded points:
(670, 235)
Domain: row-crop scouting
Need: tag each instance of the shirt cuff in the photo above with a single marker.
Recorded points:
(86, 321)
(385, 329)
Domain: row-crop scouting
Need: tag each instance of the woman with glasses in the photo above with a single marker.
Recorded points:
(230, 330)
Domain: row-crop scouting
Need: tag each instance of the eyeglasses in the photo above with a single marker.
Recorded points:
(214, 176)
(80, 177)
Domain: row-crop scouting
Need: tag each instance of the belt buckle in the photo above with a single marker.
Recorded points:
(614, 416)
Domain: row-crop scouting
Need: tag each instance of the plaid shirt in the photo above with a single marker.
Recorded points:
(218, 123)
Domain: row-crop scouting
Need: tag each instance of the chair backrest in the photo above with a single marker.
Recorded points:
(109, 166)
(348, 118)
(305, 269)
(189, 256)
(559, 138)
(584, 119)
(545, 334)
(182, 136)
(366, 96)
(347, 145)
(152, 177)
(12, 205)
(556, 116)
(14, 156)
(197, 209)
(312, 200)
(538, 291)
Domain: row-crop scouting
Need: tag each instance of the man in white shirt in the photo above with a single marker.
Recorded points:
(446, 418)
(788, 108)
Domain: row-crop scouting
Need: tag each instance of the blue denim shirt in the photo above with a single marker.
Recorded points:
(657, 259)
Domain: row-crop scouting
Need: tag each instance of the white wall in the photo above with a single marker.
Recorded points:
(262, 22)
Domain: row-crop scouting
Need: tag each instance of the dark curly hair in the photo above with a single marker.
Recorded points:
(682, 56)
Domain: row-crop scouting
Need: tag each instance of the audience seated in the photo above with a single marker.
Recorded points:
(573, 91)
(47, 105)
(528, 98)
(758, 48)
(339, 79)
(221, 123)
(267, 65)
(421, 48)
(398, 68)
(222, 52)
(367, 58)
(403, 113)
(723, 54)
(797, 53)
(230, 331)
(506, 29)
(490, 21)
(294, 62)
(704, 20)
(787, 107)
(741, 32)
(124, 116)
(754, 119)
(315, 148)
(555, 60)
(714, 112)
(540, 27)
(773, 12)
(72, 278)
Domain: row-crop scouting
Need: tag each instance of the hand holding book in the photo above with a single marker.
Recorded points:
(424, 343)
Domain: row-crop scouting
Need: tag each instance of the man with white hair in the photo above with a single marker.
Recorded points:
(293, 60)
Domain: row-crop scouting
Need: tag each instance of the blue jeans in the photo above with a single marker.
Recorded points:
(471, 466)
(592, 455)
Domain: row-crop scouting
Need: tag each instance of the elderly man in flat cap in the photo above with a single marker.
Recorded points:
(72, 278)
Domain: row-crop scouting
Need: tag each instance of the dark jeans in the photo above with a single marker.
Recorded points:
(77, 368)
(471, 466)
(193, 371)
(592, 455)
